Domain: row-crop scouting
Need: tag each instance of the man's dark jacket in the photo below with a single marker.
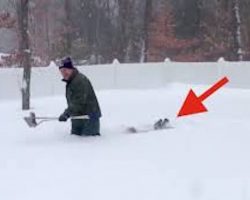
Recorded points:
(81, 97)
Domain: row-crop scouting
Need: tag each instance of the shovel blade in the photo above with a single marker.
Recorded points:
(31, 120)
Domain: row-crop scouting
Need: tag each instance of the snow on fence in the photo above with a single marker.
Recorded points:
(46, 81)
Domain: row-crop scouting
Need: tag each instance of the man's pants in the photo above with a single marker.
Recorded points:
(85, 127)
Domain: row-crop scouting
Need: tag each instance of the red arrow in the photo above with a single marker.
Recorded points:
(193, 104)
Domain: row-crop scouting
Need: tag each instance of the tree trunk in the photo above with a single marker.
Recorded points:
(142, 56)
(147, 18)
(22, 11)
(47, 35)
(67, 8)
(237, 33)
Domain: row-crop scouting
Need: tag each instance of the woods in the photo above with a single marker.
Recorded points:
(97, 31)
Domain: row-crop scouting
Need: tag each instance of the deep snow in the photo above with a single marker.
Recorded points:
(204, 157)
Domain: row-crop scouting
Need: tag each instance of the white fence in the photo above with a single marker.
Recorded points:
(46, 81)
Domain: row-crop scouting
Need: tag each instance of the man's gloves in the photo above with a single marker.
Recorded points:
(63, 117)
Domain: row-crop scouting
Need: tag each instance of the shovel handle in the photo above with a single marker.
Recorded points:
(56, 118)
(80, 117)
(46, 118)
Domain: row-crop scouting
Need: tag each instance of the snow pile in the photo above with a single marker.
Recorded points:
(115, 61)
(52, 64)
(221, 59)
(167, 60)
(203, 157)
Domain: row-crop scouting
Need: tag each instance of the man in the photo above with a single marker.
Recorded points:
(81, 100)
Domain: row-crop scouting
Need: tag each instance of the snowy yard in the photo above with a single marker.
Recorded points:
(142, 59)
(204, 157)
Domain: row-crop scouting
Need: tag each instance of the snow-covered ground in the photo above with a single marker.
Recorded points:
(203, 157)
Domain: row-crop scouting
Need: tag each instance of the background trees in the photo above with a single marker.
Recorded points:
(97, 31)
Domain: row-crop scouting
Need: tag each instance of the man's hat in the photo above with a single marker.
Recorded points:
(66, 63)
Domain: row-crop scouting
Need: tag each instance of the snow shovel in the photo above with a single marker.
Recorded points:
(32, 119)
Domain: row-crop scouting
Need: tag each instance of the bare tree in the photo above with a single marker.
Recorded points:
(237, 32)
(22, 7)
(147, 21)
(68, 23)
